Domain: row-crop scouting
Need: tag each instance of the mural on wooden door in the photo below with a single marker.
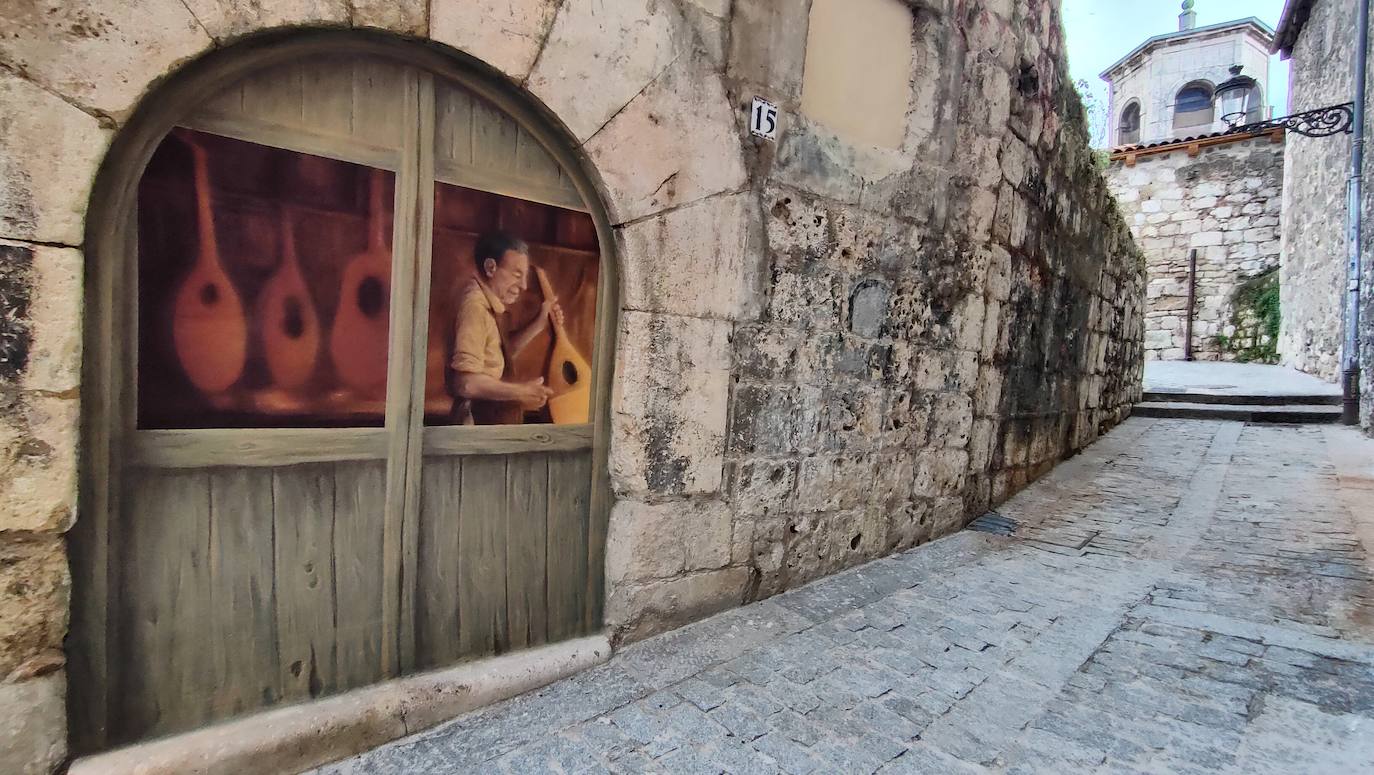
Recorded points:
(329, 276)
(252, 258)
(513, 300)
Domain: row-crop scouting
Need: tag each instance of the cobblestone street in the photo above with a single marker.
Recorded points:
(1185, 596)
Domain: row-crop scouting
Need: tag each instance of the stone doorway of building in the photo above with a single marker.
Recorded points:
(285, 495)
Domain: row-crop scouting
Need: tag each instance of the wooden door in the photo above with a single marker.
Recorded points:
(282, 524)
(502, 525)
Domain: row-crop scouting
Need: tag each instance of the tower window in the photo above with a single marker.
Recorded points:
(1193, 109)
(1129, 131)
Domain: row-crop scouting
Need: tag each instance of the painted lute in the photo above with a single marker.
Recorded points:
(290, 324)
(569, 375)
(358, 340)
(209, 331)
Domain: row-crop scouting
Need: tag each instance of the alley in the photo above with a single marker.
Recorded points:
(1184, 596)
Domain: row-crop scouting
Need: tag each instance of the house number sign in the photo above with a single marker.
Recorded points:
(763, 119)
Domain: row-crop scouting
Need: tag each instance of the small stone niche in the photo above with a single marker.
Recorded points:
(857, 80)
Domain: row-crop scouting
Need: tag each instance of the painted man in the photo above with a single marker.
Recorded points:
(482, 347)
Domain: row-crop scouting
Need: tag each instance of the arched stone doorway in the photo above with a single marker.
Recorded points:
(282, 495)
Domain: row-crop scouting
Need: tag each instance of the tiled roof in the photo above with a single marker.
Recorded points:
(1214, 138)
(1170, 141)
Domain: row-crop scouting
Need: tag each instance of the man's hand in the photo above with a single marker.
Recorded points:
(533, 394)
(551, 310)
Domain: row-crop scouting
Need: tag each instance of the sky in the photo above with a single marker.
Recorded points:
(1102, 31)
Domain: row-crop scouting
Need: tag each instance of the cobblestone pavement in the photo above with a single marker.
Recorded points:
(1185, 596)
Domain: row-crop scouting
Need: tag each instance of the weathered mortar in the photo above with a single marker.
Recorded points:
(826, 352)
(1224, 203)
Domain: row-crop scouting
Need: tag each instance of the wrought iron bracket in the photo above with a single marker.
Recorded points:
(1322, 122)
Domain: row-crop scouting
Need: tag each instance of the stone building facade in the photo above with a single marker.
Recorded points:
(1320, 39)
(1146, 84)
(827, 347)
(1221, 197)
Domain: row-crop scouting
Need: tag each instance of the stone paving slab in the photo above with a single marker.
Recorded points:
(1189, 597)
(1239, 379)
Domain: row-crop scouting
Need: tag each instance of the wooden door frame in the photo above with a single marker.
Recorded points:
(109, 374)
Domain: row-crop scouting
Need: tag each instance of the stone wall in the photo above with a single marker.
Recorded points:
(1314, 210)
(1224, 202)
(826, 352)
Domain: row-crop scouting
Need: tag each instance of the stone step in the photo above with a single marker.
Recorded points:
(1299, 413)
(1183, 397)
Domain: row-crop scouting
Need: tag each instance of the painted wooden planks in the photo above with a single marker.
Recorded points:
(359, 505)
(482, 556)
(568, 503)
(303, 515)
(437, 614)
(242, 592)
(379, 115)
(453, 125)
(477, 145)
(527, 504)
(328, 104)
(502, 553)
(162, 608)
(277, 97)
(533, 162)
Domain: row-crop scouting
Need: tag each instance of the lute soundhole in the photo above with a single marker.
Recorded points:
(293, 323)
(209, 295)
(371, 297)
(570, 374)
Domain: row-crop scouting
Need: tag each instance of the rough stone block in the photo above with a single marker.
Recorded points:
(951, 420)
(773, 419)
(698, 260)
(639, 611)
(33, 610)
(670, 401)
(230, 18)
(811, 299)
(768, 46)
(45, 185)
(33, 734)
(600, 55)
(99, 55)
(40, 289)
(658, 541)
(506, 34)
(813, 159)
(827, 483)
(940, 473)
(407, 17)
(38, 442)
(674, 144)
(763, 486)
